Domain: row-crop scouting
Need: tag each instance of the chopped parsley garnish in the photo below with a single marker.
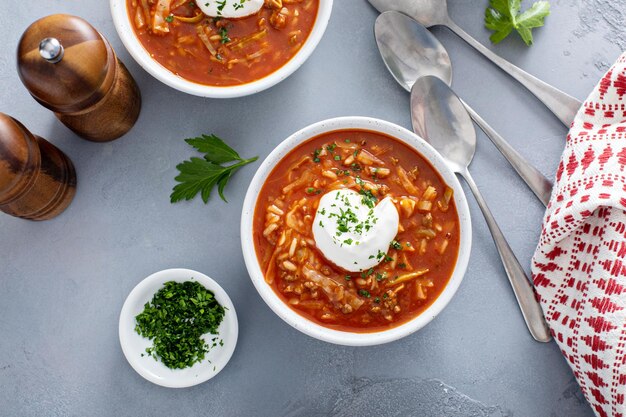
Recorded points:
(396, 245)
(365, 274)
(316, 155)
(348, 277)
(175, 320)
(364, 293)
(224, 35)
(382, 255)
(369, 199)
(380, 277)
(377, 300)
(239, 5)
(169, 18)
(337, 158)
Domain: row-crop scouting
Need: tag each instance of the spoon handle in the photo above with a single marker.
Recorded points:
(536, 181)
(561, 104)
(531, 310)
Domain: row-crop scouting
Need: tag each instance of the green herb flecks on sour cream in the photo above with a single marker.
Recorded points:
(351, 230)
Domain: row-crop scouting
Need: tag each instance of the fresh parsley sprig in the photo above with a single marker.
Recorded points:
(502, 16)
(198, 175)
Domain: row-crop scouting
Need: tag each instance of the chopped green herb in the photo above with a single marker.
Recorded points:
(316, 155)
(169, 18)
(368, 199)
(382, 255)
(224, 35)
(396, 245)
(337, 158)
(364, 293)
(175, 320)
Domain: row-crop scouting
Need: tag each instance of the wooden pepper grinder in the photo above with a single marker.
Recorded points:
(70, 68)
(37, 180)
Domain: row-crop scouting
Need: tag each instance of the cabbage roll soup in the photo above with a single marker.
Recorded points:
(356, 231)
(216, 42)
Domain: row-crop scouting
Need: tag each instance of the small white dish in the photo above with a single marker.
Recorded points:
(133, 345)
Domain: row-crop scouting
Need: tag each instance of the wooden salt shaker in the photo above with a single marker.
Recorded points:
(70, 68)
(37, 180)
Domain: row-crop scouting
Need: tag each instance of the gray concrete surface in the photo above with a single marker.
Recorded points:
(63, 282)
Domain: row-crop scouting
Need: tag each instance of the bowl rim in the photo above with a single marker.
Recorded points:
(303, 324)
(156, 372)
(122, 23)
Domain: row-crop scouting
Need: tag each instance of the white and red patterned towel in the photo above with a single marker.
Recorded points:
(579, 268)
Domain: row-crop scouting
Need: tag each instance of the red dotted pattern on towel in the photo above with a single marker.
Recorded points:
(579, 267)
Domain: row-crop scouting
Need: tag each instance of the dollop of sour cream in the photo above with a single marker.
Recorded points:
(229, 8)
(352, 232)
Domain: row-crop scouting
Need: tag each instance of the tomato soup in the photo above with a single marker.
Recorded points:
(408, 275)
(218, 51)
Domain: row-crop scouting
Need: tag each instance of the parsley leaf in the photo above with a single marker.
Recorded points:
(214, 148)
(502, 16)
(199, 175)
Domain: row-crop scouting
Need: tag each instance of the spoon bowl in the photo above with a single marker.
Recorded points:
(409, 50)
(439, 116)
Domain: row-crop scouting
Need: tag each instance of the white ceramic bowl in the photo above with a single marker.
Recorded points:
(123, 26)
(133, 345)
(301, 323)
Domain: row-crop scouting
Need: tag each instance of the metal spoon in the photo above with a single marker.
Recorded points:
(435, 12)
(439, 117)
(410, 51)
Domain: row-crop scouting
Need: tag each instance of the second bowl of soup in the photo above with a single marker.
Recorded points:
(354, 231)
(220, 54)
